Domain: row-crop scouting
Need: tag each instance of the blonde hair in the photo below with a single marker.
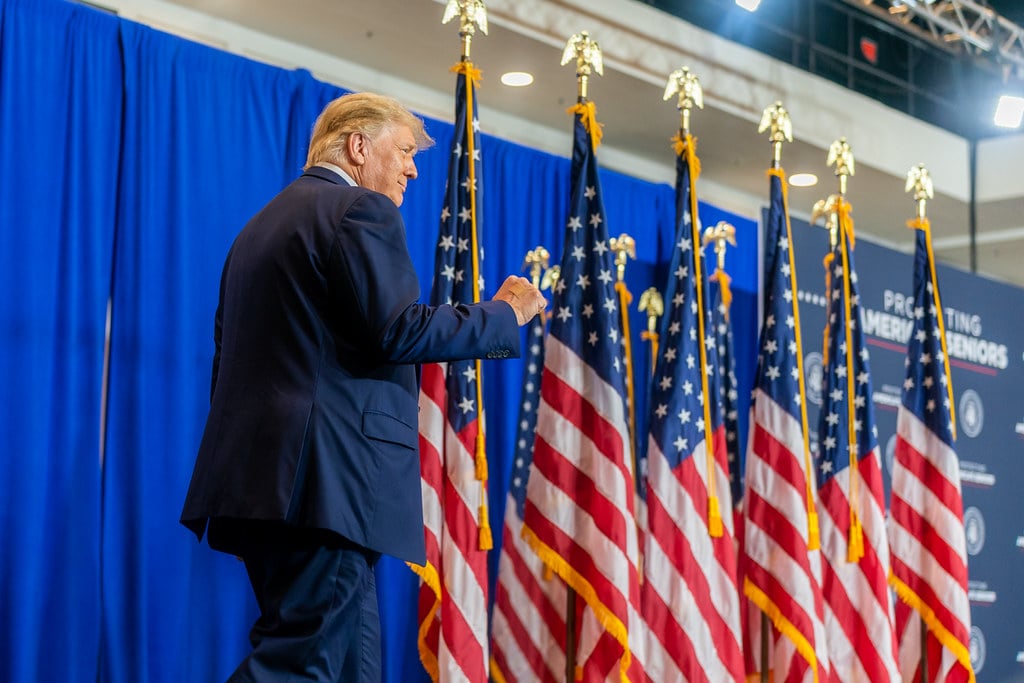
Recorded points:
(365, 113)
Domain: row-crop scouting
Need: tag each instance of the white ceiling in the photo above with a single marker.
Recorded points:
(400, 47)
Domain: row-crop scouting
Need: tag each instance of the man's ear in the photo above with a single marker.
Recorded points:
(355, 146)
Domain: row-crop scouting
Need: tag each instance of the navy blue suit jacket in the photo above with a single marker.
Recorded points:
(313, 415)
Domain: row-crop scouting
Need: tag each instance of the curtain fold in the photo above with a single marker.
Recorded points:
(208, 138)
(60, 103)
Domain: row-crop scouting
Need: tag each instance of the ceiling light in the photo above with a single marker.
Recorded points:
(749, 5)
(517, 79)
(803, 179)
(1009, 112)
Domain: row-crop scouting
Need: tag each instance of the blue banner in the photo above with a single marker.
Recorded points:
(985, 341)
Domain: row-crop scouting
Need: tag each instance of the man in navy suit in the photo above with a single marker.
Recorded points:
(309, 466)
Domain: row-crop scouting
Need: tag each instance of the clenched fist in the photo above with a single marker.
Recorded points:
(525, 299)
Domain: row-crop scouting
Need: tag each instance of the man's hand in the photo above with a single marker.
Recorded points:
(525, 299)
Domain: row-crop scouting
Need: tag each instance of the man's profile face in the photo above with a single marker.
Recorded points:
(389, 164)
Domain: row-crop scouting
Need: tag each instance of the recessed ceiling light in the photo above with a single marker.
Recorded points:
(1009, 112)
(517, 79)
(749, 5)
(803, 179)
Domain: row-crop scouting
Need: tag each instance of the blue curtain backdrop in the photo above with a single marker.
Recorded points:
(60, 138)
(130, 159)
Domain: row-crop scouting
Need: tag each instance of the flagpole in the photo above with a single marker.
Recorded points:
(722, 234)
(841, 156)
(778, 134)
(472, 13)
(919, 181)
(586, 53)
(624, 248)
(686, 85)
(775, 119)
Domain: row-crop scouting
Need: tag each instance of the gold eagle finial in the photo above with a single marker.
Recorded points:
(685, 83)
(586, 52)
(469, 12)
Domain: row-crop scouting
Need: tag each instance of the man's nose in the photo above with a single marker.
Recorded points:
(411, 169)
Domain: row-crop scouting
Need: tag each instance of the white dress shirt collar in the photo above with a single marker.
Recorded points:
(337, 169)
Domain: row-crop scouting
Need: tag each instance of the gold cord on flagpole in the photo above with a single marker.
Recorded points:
(827, 207)
(543, 277)
(472, 13)
(841, 156)
(624, 248)
(776, 120)
(722, 234)
(920, 181)
(685, 85)
(585, 52)
(715, 529)
(855, 549)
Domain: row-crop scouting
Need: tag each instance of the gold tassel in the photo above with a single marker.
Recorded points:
(486, 540)
(588, 112)
(924, 225)
(813, 531)
(688, 147)
(653, 338)
(467, 68)
(723, 280)
(855, 549)
(481, 464)
(714, 518)
(827, 262)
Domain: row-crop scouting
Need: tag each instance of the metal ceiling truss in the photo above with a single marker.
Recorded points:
(962, 26)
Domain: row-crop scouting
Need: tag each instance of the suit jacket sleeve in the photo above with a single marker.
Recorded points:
(218, 328)
(376, 276)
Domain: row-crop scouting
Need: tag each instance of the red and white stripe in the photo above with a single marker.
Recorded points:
(528, 627)
(690, 598)
(453, 596)
(783, 576)
(929, 555)
(579, 508)
(859, 620)
(431, 442)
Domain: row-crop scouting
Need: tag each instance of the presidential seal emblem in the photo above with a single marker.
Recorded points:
(972, 413)
(977, 649)
(974, 530)
(814, 377)
(890, 454)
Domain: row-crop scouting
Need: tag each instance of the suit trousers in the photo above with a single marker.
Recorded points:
(318, 609)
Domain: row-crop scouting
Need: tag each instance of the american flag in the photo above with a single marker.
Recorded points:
(781, 563)
(528, 622)
(579, 504)
(851, 498)
(690, 598)
(453, 593)
(926, 528)
(728, 391)
(721, 299)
